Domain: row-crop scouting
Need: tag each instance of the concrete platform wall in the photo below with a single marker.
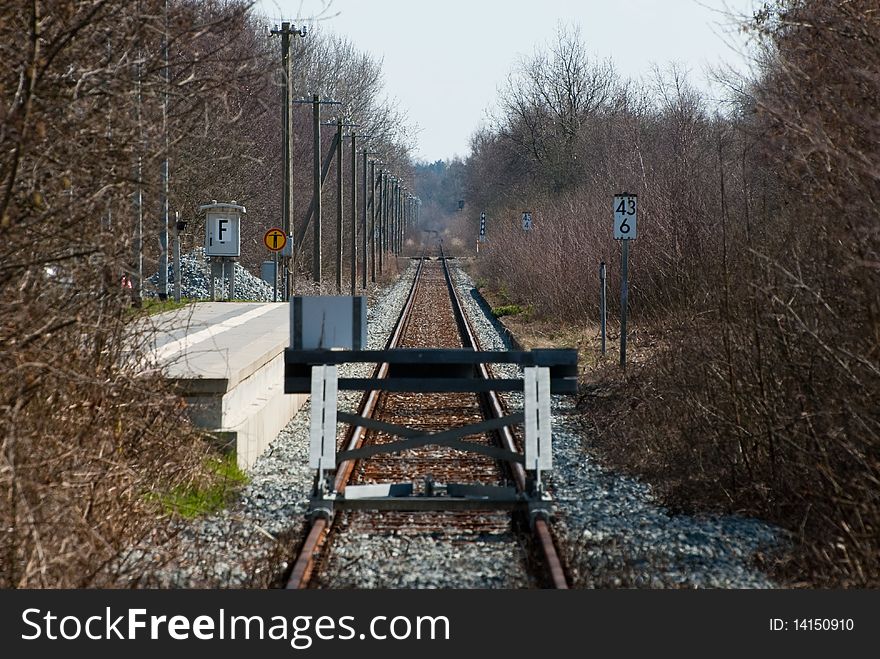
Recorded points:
(228, 363)
(257, 410)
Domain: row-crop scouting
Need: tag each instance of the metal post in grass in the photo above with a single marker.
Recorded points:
(603, 306)
(625, 207)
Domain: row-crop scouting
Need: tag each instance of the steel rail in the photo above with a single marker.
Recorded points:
(320, 527)
(302, 568)
(505, 435)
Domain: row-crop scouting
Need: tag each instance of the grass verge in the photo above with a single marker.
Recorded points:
(222, 483)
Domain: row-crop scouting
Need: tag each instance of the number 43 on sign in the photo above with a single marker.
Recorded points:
(625, 207)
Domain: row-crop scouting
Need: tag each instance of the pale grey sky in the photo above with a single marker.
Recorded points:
(444, 60)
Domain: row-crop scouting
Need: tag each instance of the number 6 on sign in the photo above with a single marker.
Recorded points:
(625, 207)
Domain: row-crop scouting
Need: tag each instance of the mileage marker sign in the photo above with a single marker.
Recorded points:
(625, 207)
(625, 213)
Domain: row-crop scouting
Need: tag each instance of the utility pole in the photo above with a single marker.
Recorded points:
(383, 203)
(395, 239)
(389, 220)
(403, 224)
(339, 168)
(287, 264)
(163, 198)
(364, 225)
(395, 224)
(354, 165)
(386, 217)
(340, 205)
(392, 225)
(373, 221)
(137, 283)
(408, 217)
(316, 248)
(389, 224)
(402, 221)
(300, 232)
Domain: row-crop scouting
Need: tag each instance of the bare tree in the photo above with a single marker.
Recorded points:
(755, 273)
(90, 436)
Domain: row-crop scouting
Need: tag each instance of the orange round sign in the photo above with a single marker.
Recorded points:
(275, 239)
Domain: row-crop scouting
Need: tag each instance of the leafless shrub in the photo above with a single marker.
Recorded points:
(757, 270)
(87, 435)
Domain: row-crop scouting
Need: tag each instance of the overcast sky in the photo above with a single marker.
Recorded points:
(445, 60)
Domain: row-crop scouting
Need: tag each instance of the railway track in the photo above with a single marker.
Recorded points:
(432, 317)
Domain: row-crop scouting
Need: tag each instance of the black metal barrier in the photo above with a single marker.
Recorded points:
(428, 370)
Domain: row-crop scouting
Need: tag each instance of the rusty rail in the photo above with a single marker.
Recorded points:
(495, 407)
(302, 568)
(492, 406)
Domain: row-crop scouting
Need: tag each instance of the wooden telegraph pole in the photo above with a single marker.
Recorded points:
(364, 225)
(287, 188)
(397, 217)
(392, 216)
(316, 187)
(373, 221)
(164, 173)
(380, 238)
(287, 268)
(339, 168)
(354, 164)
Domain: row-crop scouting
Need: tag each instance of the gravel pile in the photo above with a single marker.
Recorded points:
(195, 281)
(613, 532)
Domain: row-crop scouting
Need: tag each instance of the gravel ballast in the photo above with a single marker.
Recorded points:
(611, 531)
(247, 545)
(447, 558)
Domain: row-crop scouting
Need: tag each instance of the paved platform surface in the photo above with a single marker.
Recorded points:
(227, 360)
(215, 345)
